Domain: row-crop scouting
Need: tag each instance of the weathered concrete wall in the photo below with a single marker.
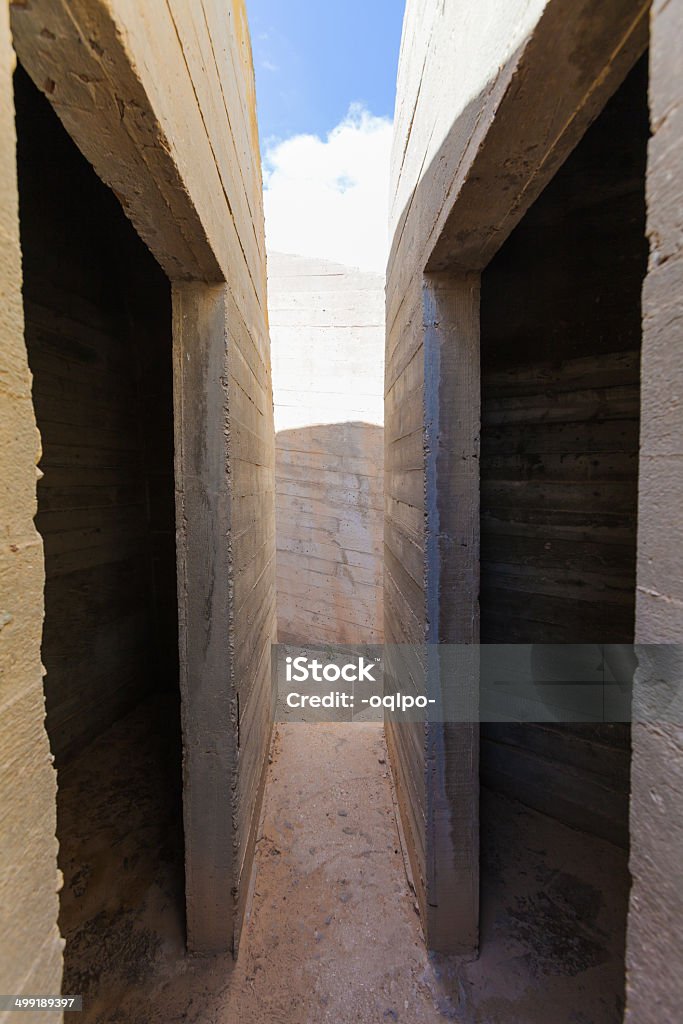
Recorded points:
(97, 311)
(491, 99)
(655, 929)
(30, 946)
(437, 112)
(560, 390)
(464, 69)
(159, 97)
(451, 56)
(327, 334)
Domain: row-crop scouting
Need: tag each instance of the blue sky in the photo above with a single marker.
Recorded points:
(313, 58)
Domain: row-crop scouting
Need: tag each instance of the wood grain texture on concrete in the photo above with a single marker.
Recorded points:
(560, 353)
(473, 150)
(452, 427)
(491, 100)
(327, 333)
(102, 393)
(159, 97)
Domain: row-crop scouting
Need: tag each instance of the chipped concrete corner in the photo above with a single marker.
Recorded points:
(31, 944)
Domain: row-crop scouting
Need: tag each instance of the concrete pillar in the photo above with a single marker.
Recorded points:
(432, 587)
(224, 520)
(452, 429)
(204, 554)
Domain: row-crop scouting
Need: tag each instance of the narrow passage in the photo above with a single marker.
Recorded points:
(332, 933)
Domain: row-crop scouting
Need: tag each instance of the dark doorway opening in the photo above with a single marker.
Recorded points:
(560, 389)
(98, 333)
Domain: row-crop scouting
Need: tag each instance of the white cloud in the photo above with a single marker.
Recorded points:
(329, 198)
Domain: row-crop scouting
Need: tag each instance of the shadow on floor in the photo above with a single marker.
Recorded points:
(333, 933)
(119, 822)
(553, 903)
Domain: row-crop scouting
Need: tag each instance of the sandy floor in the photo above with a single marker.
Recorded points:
(333, 933)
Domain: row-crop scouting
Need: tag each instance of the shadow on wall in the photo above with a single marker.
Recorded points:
(330, 509)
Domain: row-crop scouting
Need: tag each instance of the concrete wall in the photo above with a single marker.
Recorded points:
(655, 929)
(327, 335)
(97, 310)
(437, 113)
(30, 946)
(560, 394)
(159, 98)
(433, 98)
(491, 100)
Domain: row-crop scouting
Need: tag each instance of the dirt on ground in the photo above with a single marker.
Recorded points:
(332, 933)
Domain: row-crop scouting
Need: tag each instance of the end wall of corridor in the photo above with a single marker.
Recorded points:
(327, 336)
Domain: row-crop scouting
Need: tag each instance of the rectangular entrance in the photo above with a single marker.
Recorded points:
(98, 333)
(560, 394)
